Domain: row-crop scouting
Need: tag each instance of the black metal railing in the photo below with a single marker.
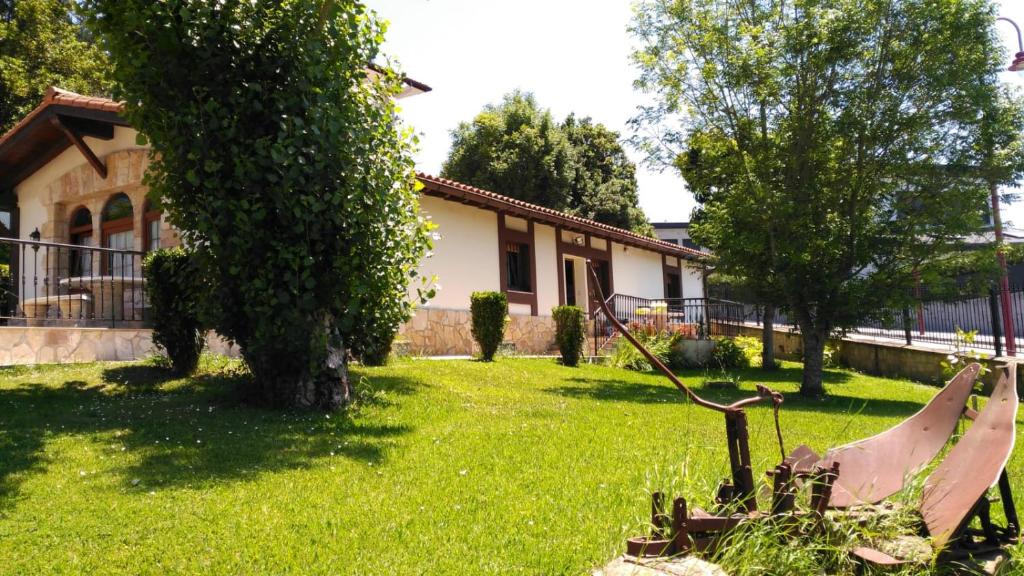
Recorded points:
(691, 318)
(53, 284)
(934, 318)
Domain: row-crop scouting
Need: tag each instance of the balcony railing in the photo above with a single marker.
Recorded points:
(52, 284)
(691, 318)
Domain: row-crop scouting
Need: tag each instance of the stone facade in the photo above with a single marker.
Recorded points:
(30, 345)
(447, 332)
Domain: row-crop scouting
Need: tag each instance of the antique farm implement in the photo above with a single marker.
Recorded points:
(863, 472)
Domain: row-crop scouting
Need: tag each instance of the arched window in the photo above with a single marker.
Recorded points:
(80, 231)
(117, 231)
(151, 223)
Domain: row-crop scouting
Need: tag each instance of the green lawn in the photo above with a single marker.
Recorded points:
(447, 467)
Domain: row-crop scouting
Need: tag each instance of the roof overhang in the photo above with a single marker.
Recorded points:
(465, 194)
(52, 128)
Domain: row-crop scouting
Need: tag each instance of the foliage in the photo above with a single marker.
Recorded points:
(828, 159)
(729, 354)
(829, 356)
(42, 44)
(751, 348)
(283, 163)
(173, 296)
(963, 354)
(603, 186)
(518, 149)
(570, 333)
(659, 343)
(514, 148)
(373, 349)
(489, 311)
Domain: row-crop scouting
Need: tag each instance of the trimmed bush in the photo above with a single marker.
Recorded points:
(172, 292)
(570, 325)
(728, 354)
(490, 316)
(374, 347)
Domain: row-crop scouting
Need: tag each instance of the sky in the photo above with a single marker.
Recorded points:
(572, 54)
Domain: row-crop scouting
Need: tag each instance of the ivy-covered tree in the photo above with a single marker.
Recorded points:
(281, 160)
(517, 149)
(514, 148)
(43, 44)
(833, 146)
(603, 186)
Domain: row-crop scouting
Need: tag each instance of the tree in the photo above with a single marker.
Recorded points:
(518, 149)
(42, 44)
(603, 186)
(280, 159)
(832, 146)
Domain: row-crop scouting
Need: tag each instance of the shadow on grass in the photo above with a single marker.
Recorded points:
(190, 432)
(645, 393)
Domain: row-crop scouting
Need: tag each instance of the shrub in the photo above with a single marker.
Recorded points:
(490, 316)
(373, 347)
(660, 344)
(570, 326)
(728, 354)
(173, 302)
(751, 347)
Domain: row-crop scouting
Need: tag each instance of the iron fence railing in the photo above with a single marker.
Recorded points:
(934, 319)
(53, 284)
(693, 318)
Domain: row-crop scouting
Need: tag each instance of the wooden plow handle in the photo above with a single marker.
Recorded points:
(763, 392)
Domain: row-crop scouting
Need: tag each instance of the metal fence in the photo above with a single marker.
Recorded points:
(692, 318)
(933, 319)
(53, 284)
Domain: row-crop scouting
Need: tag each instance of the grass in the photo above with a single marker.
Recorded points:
(446, 467)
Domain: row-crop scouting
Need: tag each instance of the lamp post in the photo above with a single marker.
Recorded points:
(997, 223)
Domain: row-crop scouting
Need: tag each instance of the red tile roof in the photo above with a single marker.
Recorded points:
(57, 97)
(443, 187)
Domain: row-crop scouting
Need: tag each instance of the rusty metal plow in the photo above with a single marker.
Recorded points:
(863, 472)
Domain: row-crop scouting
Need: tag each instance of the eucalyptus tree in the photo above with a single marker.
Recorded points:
(281, 160)
(833, 145)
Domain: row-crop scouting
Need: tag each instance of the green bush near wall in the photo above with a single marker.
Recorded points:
(570, 326)
(174, 306)
(490, 316)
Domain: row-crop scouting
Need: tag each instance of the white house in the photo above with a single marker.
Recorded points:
(71, 185)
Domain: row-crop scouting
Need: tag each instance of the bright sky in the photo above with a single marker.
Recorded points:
(572, 54)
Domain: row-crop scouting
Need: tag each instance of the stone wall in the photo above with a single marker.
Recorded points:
(446, 332)
(41, 345)
(879, 358)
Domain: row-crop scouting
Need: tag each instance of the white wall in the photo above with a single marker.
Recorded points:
(547, 268)
(465, 257)
(693, 281)
(637, 272)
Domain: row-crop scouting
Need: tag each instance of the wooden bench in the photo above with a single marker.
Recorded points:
(74, 306)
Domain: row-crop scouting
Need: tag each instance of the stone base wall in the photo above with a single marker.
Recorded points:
(445, 332)
(880, 358)
(43, 345)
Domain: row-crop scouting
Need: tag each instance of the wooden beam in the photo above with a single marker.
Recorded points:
(76, 139)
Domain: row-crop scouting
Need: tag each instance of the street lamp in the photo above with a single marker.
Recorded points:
(997, 224)
(1018, 60)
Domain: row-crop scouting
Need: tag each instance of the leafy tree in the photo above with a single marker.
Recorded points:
(518, 149)
(833, 146)
(603, 186)
(280, 159)
(42, 44)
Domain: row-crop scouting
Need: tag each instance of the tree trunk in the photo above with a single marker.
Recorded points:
(768, 338)
(309, 377)
(814, 362)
